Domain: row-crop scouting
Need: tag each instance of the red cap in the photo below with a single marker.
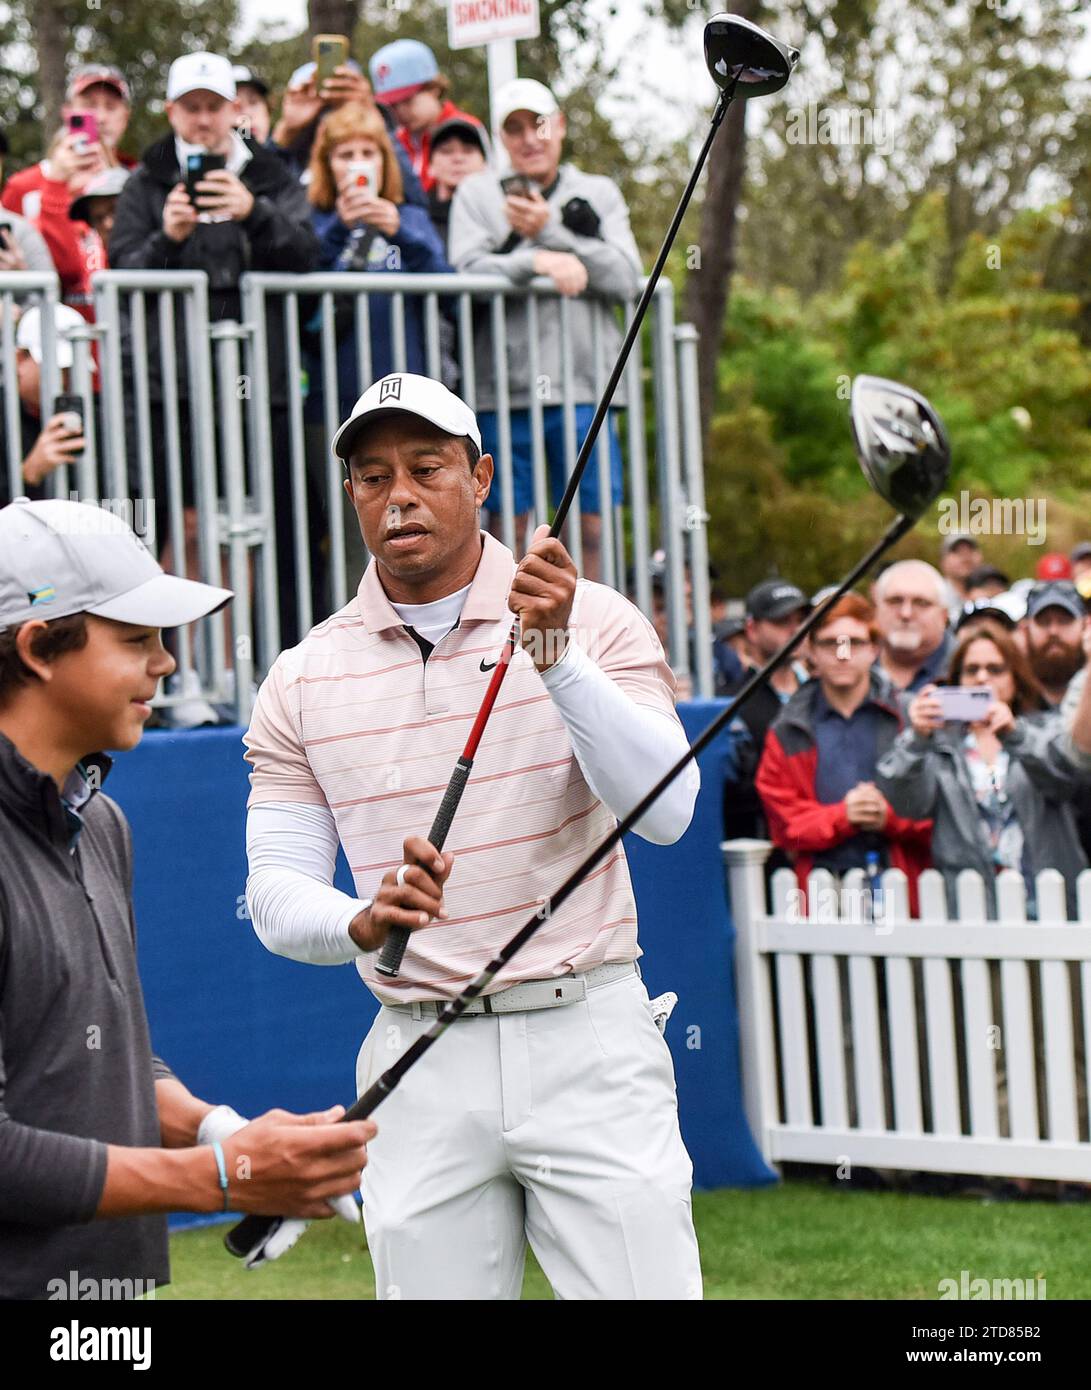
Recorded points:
(98, 75)
(1053, 566)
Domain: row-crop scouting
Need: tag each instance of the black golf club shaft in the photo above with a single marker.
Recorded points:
(390, 957)
(241, 1239)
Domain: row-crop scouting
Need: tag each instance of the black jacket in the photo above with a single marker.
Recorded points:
(277, 236)
(76, 1066)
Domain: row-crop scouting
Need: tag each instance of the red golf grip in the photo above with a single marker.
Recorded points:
(390, 958)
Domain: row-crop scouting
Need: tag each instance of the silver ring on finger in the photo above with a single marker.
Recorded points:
(401, 874)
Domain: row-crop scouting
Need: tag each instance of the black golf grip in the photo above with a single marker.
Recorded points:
(241, 1239)
(390, 957)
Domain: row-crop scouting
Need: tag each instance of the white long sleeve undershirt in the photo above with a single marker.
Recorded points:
(622, 748)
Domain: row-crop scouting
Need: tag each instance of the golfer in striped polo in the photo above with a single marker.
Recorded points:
(548, 1113)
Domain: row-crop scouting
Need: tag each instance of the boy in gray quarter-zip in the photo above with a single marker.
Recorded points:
(98, 1139)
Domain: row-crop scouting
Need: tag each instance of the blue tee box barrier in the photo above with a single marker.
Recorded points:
(244, 1027)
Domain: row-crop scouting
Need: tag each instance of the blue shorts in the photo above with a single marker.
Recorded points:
(522, 456)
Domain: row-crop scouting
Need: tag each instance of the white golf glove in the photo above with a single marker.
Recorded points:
(220, 1124)
(662, 1006)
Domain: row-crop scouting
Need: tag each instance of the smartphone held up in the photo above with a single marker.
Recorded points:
(330, 52)
(84, 126)
(964, 704)
(199, 166)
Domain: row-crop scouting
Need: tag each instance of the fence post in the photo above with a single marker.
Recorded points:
(745, 861)
(226, 336)
(668, 476)
(696, 517)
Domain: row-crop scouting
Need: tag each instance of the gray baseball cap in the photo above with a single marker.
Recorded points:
(1055, 593)
(60, 557)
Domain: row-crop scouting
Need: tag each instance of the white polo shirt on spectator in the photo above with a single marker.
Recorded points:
(354, 720)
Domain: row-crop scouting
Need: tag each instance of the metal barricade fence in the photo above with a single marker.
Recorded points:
(188, 406)
(20, 290)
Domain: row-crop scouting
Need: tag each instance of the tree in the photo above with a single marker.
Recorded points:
(332, 16)
(707, 291)
(987, 341)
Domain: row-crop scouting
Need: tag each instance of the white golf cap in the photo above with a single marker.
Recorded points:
(60, 557)
(524, 94)
(406, 394)
(200, 72)
(28, 333)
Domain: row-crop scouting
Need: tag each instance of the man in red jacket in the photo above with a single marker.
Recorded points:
(407, 78)
(816, 773)
(44, 192)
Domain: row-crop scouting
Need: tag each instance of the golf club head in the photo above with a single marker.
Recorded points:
(901, 443)
(745, 59)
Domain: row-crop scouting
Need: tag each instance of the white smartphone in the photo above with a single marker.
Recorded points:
(367, 175)
(964, 704)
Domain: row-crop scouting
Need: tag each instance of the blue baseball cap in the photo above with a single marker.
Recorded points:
(401, 68)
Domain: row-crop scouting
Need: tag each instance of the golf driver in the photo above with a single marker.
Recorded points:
(903, 450)
(743, 61)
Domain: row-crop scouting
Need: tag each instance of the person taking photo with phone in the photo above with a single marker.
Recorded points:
(315, 90)
(998, 790)
(549, 218)
(364, 224)
(205, 198)
(96, 116)
(41, 448)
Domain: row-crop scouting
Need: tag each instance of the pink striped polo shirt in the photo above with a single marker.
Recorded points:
(355, 717)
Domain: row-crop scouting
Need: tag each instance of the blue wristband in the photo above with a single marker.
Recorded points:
(217, 1149)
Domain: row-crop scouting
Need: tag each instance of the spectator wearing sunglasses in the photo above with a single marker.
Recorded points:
(816, 778)
(999, 791)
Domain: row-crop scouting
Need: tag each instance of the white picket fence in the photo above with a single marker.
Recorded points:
(955, 1045)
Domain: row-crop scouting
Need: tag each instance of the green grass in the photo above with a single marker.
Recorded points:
(798, 1240)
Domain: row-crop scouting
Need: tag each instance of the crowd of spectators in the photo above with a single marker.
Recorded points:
(846, 759)
(350, 171)
(843, 758)
(849, 760)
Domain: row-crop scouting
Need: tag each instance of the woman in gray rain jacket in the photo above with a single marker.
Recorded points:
(1000, 791)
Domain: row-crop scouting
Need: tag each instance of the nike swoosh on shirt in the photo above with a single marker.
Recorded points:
(488, 667)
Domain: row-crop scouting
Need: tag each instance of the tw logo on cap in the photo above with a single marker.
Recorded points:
(389, 389)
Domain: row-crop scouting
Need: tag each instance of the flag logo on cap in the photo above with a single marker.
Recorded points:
(46, 594)
(391, 387)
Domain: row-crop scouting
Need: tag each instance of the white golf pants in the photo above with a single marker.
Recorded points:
(558, 1126)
